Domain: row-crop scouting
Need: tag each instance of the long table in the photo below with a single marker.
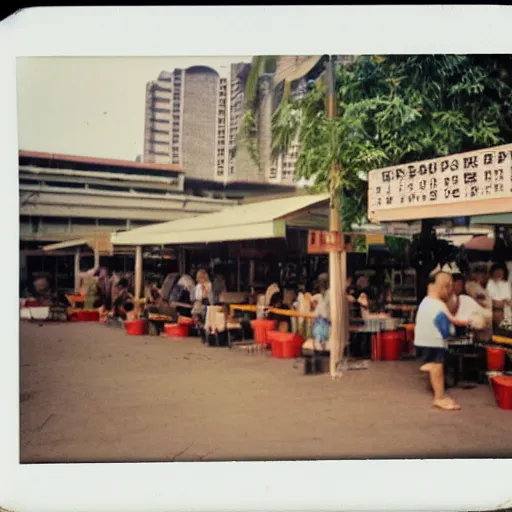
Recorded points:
(284, 312)
(502, 340)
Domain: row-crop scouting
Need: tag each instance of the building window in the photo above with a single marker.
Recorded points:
(155, 120)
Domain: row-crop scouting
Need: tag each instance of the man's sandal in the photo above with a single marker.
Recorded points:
(447, 404)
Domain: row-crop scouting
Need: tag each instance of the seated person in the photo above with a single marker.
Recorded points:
(132, 311)
(182, 295)
(283, 322)
(123, 302)
(158, 305)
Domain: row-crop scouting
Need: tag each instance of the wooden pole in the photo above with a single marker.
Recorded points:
(182, 264)
(337, 262)
(252, 272)
(138, 272)
(238, 277)
(56, 273)
(77, 270)
(96, 255)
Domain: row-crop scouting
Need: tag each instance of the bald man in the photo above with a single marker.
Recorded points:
(433, 326)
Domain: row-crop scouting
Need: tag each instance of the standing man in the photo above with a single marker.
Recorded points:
(433, 324)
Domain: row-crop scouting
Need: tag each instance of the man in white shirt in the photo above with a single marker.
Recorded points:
(466, 308)
(475, 286)
(433, 323)
(500, 292)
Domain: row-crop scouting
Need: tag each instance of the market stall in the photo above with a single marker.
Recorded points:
(463, 189)
(244, 233)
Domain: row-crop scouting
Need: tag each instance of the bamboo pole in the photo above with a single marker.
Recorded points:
(96, 256)
(182, 261)
(77, 270)
(138, 272)
(252, 272)
(238, 274)
(337, 260)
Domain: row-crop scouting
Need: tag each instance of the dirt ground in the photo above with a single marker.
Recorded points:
(91, 393)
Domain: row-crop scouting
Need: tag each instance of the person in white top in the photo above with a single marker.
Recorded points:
(467, 309)
(321, 301)
(500, 292)
(203, 294)
(475, 286)
(432, 329)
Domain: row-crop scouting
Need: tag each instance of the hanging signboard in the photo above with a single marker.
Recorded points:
(102, 244)
(463, 178)
(323, 242)
(375, 239)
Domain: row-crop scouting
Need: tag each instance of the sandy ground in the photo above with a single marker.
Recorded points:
(91, 393)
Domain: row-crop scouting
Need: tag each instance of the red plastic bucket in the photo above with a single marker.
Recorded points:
(286, 345)
(135, 327)
(185, 320)
(260, 329)
(33, 304)
(409, 338)
(502, 387)
(176, 330)
(392, 344)
(495, 359)
(85, 315)
(376, 347)
(92, 316)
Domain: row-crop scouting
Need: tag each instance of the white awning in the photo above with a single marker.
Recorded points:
(65, 245)
(99, 240)
(254, 221)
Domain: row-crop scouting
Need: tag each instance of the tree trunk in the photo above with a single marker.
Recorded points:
(138, 272)
(337, 260)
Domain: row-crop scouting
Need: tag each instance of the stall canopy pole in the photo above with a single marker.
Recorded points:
(77, 270)
(252, 271)
(238, 272)
(337, 279)
(138, 271)
(182, 265)
(96, 255)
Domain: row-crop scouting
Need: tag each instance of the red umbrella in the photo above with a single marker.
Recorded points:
(480, 243)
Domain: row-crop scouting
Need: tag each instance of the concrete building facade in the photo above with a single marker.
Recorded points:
(194, 118)
(64, 197)
(200, 123)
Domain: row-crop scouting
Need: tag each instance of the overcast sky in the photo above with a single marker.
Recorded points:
(91, 106)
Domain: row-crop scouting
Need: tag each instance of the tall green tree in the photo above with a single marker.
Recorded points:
(261, 64)
(400, 109)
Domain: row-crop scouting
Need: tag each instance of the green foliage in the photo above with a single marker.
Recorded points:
(250, 135)
(259, 65)
(400, 109)
(285, 123)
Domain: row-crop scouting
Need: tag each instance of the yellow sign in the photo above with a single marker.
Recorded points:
(375, 239)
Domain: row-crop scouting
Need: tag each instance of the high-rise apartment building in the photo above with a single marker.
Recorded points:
(157, 121)
(193, 118)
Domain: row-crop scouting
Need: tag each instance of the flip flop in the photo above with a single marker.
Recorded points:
(447, 405)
